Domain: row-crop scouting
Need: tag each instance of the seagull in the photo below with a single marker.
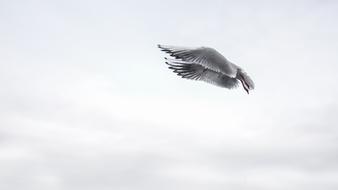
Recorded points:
(206, 64)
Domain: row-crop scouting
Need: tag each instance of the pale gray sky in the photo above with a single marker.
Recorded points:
(88, 103)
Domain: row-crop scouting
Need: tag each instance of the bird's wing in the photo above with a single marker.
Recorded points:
(190, 70)
(207, 57)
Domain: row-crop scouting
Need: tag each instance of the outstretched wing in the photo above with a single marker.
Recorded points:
(204, 56)
(194, 71)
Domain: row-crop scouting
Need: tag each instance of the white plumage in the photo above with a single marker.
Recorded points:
(206, 64)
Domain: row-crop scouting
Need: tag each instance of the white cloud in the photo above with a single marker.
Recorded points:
(86, 102)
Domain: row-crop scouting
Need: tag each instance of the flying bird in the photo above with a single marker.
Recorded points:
(206, 64)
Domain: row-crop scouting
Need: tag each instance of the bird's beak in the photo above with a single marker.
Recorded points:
(247, 90)
(245, 86)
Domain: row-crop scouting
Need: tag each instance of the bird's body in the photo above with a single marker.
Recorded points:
(206, 64)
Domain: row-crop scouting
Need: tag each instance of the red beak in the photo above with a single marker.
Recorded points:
(245, 85)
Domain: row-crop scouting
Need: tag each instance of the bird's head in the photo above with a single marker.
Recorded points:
(246, 81)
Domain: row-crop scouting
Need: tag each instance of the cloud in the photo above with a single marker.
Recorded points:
(87, 103)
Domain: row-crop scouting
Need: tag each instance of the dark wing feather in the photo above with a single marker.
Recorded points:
(194, 71)
(205, 56)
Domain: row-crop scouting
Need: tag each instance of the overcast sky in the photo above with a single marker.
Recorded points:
(86, 101)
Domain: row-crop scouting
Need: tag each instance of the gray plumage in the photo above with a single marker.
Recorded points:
(206, 64)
